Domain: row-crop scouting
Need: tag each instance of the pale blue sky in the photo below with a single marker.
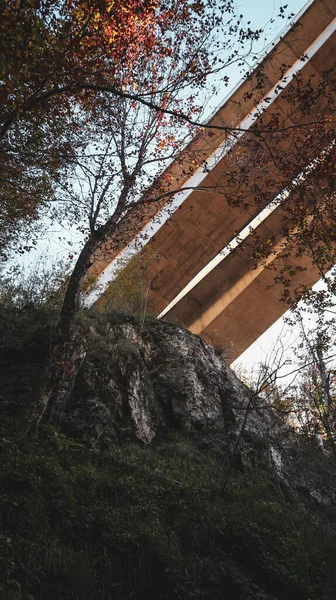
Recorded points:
(260, 14)
(261, 11)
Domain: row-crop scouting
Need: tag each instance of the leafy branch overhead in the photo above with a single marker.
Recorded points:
(66, 64)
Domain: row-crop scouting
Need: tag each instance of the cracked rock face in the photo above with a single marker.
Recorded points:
(140, 382)
(143, 381)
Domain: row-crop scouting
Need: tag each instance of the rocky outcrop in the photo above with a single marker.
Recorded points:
(142, 381)
(152, 378)
(139, 381)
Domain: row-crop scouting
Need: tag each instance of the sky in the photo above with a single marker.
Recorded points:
(259, 14)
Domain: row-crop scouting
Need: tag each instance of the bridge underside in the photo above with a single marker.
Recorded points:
(235, 303)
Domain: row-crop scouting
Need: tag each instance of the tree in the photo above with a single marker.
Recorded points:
(97, 97)
(64, 61)
(299, 382)
(312, 395)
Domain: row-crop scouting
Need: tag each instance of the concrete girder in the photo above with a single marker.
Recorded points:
(207, 219)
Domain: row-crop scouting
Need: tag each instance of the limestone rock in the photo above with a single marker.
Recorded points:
(153, 378)
(91, 421)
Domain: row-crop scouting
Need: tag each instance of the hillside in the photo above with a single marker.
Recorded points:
(166, 479)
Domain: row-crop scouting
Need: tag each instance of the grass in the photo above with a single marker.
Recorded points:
(152, 522)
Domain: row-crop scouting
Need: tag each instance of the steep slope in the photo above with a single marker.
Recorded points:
(167, 478)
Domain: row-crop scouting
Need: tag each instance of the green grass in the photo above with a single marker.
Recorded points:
(159, 522)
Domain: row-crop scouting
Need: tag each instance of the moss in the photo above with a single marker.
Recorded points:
(258, 442)
(152, 522)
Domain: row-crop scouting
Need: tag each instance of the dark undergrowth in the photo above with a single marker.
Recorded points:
(164, 522)
(161, 522)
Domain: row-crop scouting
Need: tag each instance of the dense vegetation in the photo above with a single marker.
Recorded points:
(173, 519)
(153, 522)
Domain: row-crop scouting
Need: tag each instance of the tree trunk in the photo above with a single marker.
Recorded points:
(72, 295)
(67, 353)
(57, 381)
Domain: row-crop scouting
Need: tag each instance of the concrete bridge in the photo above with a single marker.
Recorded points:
(195, 278)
